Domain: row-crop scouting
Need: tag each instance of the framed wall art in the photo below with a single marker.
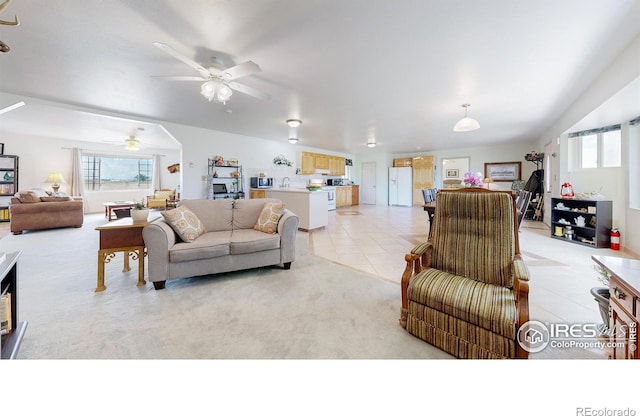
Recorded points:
(503, 171)
(452, 174)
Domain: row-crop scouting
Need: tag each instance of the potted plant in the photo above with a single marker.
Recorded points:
(139, 212)
(601, 295)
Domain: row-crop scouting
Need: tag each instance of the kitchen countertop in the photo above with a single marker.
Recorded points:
(297, 190)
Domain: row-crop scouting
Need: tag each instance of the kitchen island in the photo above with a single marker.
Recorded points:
(310, 207)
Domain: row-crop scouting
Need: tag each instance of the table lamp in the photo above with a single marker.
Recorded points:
(488, 181)
(56, 179)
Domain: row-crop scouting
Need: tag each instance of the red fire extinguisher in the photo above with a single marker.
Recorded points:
(615, 239)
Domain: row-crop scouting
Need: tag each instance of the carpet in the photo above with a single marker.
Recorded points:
(318, 309)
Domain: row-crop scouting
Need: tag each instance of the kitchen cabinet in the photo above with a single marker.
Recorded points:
(343, 196)
(596, 230)
(624, 304)
(355, 195)
(256, 193)
(423, 177)
(311, 161)
(403, 162)
(308, 163)
(336, 165)
(321, 161)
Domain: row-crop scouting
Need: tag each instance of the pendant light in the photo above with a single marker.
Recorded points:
(466, 123)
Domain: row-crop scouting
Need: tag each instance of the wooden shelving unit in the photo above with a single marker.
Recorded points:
(8, 183)
(9, 285)
(597, 215)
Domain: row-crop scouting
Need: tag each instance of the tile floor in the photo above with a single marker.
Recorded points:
(374, 239)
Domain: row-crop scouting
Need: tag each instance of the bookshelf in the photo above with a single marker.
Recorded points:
(14, 332)
(8, 183)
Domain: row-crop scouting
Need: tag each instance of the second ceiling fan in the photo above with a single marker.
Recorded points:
(217, 83)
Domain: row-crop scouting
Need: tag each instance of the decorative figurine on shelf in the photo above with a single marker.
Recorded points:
(218, 160)
(566, 191)
(215, 174)
(234, 174)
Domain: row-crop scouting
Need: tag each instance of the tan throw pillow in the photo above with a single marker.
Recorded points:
(269, 217)
(185, 223)
(28, 197)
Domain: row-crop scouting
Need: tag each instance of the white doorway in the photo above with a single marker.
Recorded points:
(368, 190)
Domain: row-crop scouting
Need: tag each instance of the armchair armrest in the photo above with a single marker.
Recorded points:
(417, 261)
(521, 294)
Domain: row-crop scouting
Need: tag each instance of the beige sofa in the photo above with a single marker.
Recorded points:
(35, 210)
(229, 244)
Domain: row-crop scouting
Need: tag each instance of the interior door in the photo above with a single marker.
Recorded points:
(368, 186)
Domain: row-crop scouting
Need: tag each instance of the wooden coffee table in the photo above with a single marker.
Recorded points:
(122, 235)
(110, 206)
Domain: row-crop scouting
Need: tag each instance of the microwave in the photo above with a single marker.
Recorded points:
(261, 182)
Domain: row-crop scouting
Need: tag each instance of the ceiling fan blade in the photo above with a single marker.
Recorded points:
(179, 78)
(249, 91)
(241, 70)
(168, 49)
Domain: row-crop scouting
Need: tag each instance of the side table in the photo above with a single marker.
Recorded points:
(122, 235)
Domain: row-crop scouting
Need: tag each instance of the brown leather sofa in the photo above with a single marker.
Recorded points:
(31, 211)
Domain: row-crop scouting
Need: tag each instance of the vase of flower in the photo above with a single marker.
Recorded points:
(139, 212)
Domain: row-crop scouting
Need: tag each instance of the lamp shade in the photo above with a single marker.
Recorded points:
(55, 177)
(467, 123)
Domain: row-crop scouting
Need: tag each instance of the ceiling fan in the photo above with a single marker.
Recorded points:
(217, 83)
(132, 144)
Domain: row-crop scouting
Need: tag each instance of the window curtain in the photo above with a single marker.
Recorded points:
(156, 178)
(77, 180)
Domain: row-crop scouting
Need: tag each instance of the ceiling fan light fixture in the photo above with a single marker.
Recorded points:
(208, 89)
(371, 142)
(293, 122)
(223, 93)
(131, 144)
(293, 140)
(466, 123)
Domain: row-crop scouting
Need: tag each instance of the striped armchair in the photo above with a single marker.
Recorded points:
(466, 289)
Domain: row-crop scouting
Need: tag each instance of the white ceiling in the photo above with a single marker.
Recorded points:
(349, 69)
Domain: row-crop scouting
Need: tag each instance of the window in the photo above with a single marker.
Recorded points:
(114, 173)
(599, 148)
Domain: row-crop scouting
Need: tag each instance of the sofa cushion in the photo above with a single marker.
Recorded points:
(28, 197)
(40, 192)
(60, 196)
(247, 211)
(185, 223)
(207, 246)
(252, 241)
(215, 215)
(486, 305)
(268, 220)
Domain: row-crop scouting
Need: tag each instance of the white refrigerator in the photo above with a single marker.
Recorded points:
(400, 187)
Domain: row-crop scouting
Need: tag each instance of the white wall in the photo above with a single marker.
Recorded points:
(39, 156)
(478, 156)
(614, 183)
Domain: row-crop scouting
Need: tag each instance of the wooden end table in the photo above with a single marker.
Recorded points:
(122, 235)
(110, 206)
